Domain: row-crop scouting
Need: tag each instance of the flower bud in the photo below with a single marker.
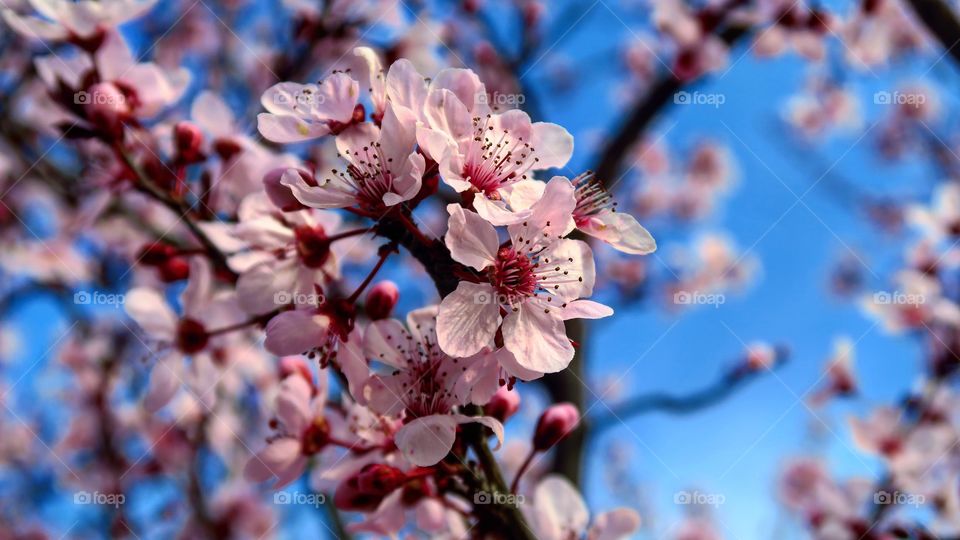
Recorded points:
(366, 488)
(106, 107)
(280, 195)
(504, 404)
(174, 269)
(379, 479)
(555, 423)
(188, 139)
(381, 300)
(155, 254)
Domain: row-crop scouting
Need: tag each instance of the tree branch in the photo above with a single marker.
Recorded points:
(724, 387)
(941, 21)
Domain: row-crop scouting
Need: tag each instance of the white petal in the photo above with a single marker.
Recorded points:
(554, 145)
(164, 384)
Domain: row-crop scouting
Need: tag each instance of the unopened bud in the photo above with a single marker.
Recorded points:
(106, 107)
(555, 423)
(188, 139)
(379, 479)
(504, 404)
(381, 300)
(174, 269)
(155, 254)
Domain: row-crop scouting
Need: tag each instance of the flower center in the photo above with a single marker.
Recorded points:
(592, 197)
(496, 158)
(513, 276)
(192, 337)
(312, 245)
(316, 436)
(368, 174)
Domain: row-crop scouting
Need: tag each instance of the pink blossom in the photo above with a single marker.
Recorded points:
(65, 19)
(426, 386)
(484, 153)
(535, 280)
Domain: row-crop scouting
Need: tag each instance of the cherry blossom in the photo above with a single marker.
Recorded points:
(426, 385)
(536, 280)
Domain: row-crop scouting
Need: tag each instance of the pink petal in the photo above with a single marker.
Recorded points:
(387, 341)
(471, 239)
(150, 310)
(554, 145)
(622, 231)
(617, 524)
(164, 384)
(288, 129)
(468, 319)
(293, 403)
(536, 336)
(427, 440)
(585, 309)
(295, 332)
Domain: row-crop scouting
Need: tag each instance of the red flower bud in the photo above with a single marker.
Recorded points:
(381, 300)
(379, 479)
(155, 254)
(279, 194)
(174, 269)
(188, 139)
(365, 489)
(192, 336)
(504, 404)
(555, 423)
(106, 107)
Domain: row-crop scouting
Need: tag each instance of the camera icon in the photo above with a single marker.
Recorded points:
(882, 497)
(82, 497)
(82, 298)
(681, 98)
(882, 98)
(481, 497)
(81, 98)
(281, 497)
(482, 298)
(682, 297)
(282, 298)
(682, 497)
(882, 298)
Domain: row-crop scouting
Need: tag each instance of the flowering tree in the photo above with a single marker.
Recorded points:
(357, 264)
